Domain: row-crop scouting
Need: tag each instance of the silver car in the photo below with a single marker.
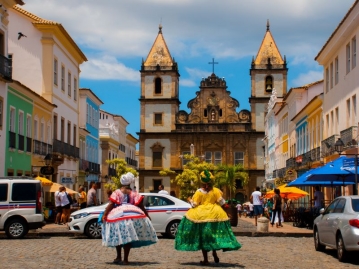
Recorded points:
(337, 226)
(165, 211)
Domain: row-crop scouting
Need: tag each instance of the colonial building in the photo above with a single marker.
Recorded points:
(217, 131)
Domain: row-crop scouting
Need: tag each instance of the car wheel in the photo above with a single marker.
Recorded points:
(341, 251)
(318, 246)
(171, 229)
(93, 229)
(16, 228)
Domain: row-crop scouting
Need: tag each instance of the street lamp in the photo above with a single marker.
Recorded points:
(339, 146)
(191, 147)
(47, 159)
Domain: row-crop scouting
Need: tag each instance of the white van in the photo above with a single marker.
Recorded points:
(20, 206)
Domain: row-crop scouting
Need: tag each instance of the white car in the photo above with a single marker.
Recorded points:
(165, 211)
(337, 226)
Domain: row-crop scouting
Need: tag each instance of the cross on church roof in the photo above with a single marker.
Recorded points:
(213, 63)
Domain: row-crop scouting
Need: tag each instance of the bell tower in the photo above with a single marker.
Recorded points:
(268, 71)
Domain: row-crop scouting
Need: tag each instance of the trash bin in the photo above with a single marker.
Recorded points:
(262, 225)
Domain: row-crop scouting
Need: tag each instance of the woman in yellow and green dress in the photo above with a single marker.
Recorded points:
(206, 225)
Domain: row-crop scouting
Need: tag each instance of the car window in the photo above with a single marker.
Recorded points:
(331, 207)
(23, 192)
(158, 201)
(355, 205)
(339, 208)
(3, 192)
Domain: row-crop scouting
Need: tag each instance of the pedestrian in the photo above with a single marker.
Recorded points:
(58, 206)
(277, 208)
(66, 206)
(206, 226)
(257, 198)
(318, 198)
(126, 225)
(92, 195)
(239, 209)
(250, 209)
(270, 208)
(162, 190)
(82, 199)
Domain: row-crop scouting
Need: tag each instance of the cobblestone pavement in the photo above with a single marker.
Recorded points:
(80, 253)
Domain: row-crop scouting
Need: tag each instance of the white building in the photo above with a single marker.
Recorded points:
(48, 61)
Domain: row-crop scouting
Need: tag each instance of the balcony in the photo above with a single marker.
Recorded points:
(328, 145)
(21, 142)
(12, 140)
(131, 162)
(349, 137)
(66, 149)
(5, 68)
(42, 148)
(92, 168)
(110, 133)
(205, 128)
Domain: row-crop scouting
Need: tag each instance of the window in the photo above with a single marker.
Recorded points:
(269, 84)
(348, 113)
(69, 84)
(48, 135)
(158, 86)
(157, 200)
(63, 78)
(62, 130)
(74, 136)
(1, 113)
(217, 157)
(21, 123)
(340, 206)
(348, 58)
(87, 113)
(35, 129)
(354, 109)
(208, 157)
(331, 75)
(158, 118)
(75, 89)
(157, 159)
(55, 71)
(12, 119)
(28, 126)
(185, 161)
(239, 184)
(326, 80)
(55, 126)
(336, 71)
(42, 132)
(23, 192)
(68, 132)
(354, 52)
(3, 192)
(238, 157)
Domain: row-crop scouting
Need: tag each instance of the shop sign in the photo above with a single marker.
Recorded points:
(67, 180)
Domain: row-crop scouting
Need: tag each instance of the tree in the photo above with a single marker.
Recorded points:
(226, 175)
(121, 168)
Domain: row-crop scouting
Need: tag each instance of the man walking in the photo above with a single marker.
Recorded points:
(91, 195)
(257, 198)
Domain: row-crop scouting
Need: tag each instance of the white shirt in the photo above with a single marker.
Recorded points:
(256, 198)
(163, 192)
(239, 207)
(64, 199)
(57, 199)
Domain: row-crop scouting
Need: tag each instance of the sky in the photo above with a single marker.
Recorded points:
(115, 35)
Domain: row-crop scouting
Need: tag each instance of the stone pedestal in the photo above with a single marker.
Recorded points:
(262, 225)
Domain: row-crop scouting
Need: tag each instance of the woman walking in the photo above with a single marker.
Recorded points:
(206, 226)
(277, 208)
(126, 223)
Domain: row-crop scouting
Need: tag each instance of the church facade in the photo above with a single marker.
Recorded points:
(212, 129)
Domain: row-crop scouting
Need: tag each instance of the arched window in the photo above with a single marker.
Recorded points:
(158, 86)
(269, 84)
(157, 151)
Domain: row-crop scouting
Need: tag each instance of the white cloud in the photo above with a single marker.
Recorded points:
(306, 78)
(108, 67)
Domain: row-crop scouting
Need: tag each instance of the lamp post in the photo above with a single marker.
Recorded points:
(191, 147)
(339, 146)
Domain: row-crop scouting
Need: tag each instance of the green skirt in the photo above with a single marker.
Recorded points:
(207, 236)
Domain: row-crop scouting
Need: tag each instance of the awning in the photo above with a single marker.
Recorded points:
(44, 181)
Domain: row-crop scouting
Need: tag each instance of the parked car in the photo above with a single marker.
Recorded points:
(165, 211)
(337, 226)
(20, 206)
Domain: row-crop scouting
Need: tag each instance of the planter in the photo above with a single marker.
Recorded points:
(232, 213)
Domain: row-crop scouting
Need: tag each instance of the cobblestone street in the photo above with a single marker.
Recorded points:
(78, 252)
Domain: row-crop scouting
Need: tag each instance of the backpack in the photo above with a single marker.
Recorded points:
(69, 197)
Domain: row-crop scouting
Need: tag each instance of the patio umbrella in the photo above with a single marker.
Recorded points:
(55, 187)
(292, 193)
(44, 181)
(341, 169)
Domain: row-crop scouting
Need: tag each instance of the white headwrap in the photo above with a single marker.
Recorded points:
(127, 179)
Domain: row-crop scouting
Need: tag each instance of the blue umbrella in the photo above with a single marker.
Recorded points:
(341, 169)
(303, 181)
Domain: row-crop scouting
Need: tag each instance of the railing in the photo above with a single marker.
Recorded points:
(28, 144)
(6, 68)
(66, 149)
(131, 162)
(205, 128)
(94, 168)
(42, 148)
(107, 132)
(290, 162)
(349, 136)
(328, 145)
(12, 140)
(21, 142)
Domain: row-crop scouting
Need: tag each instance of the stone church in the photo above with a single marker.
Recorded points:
(214, 128)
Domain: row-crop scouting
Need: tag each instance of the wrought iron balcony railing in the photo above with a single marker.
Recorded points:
(5, 68)
(65, 149)
(42, 148)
